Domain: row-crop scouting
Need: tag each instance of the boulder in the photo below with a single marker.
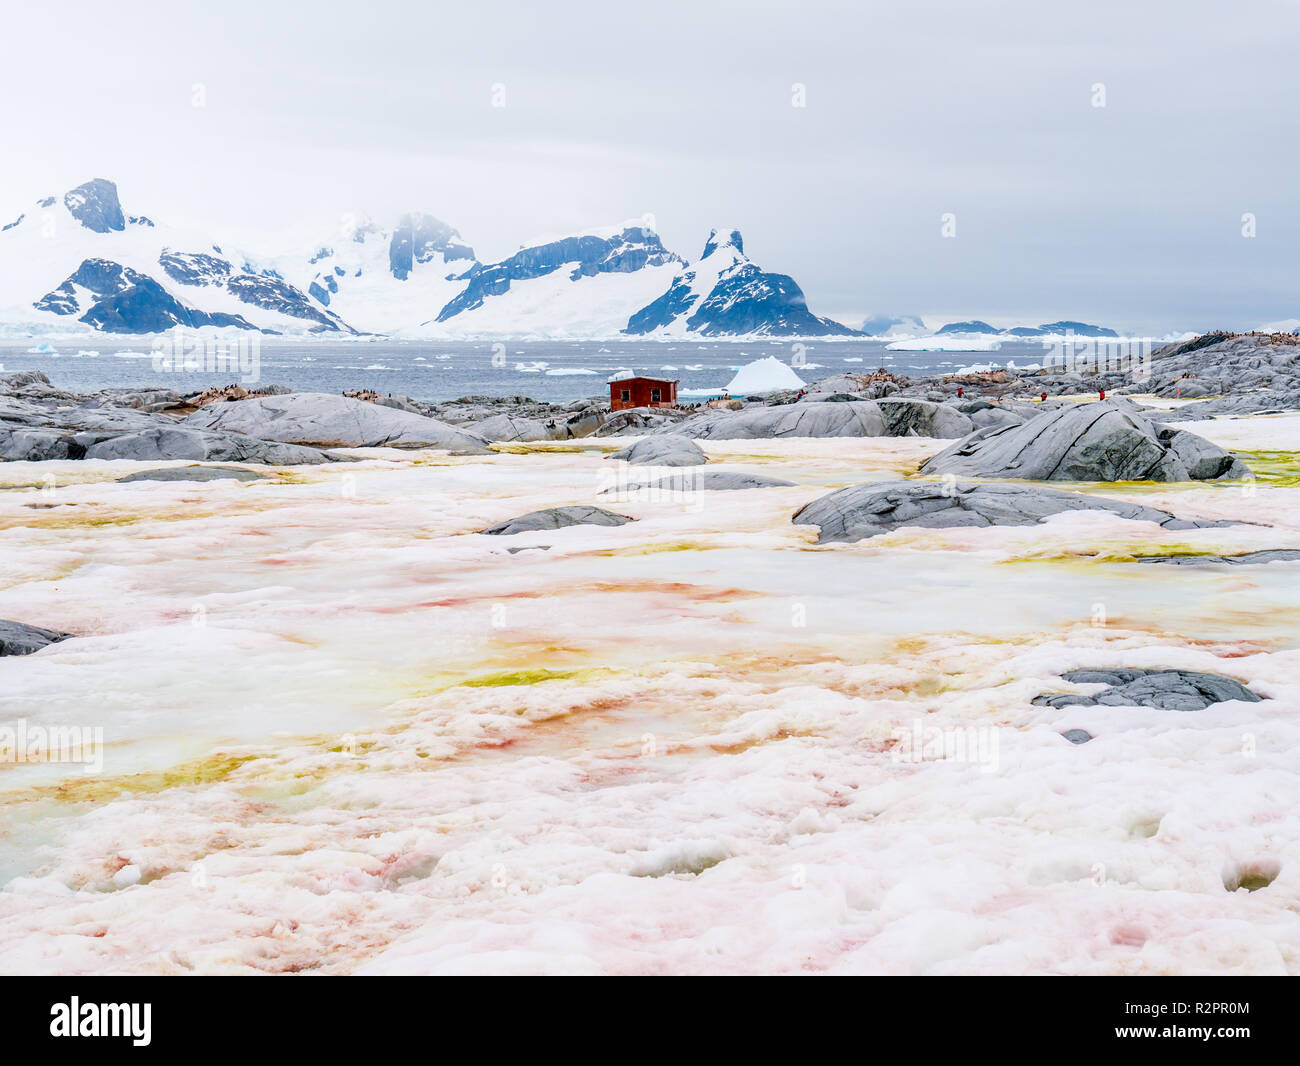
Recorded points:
(638, 420)
(18, 638)
(921, 418)
(558, 518)
(863, 511)
(1169, 690)
(510, 428)
(193, 473)
(324, 420)
(1104, 441)
(663, 451)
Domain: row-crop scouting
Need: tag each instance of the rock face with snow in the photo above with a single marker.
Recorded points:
(662, 451)
(1169, 690)
(558, 518)
(17, 638)
(1105, 441)
(863, 511)
(323, 420)
(723, 294)
(858, 418)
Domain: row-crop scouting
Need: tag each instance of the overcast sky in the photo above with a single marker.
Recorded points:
(1128, 214)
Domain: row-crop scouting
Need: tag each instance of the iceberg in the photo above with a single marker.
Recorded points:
(764, 375)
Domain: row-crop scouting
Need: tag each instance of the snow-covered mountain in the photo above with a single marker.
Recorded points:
(1047, 329)
(79, 261)
(385, 280)
(724, 294)
(875, 325)
(585, 285)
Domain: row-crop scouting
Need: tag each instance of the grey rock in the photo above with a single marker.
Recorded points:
(43, 428)
(1170, 690)
(920, 418)
(324, 420)
(856, 418)
(1269, 555)
(193, 473)
(863, 511)
(558, 518)
(511, 429)
(663, 450)
(18, 638)
(990, 416)
(639, 420)
(183, 442)
(1087, 442)
(1077, 736)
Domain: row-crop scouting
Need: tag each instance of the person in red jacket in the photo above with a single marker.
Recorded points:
(1101, 394)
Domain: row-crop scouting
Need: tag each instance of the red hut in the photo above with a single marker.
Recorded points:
(642, 392)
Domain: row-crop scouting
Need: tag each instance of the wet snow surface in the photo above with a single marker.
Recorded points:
(345, 732)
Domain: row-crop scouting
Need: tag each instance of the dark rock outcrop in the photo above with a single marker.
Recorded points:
(1268, 555)
(863, 511)
(193, 473)
(558, 518)
(1105, 441)
(18, 638)
(1169, 690)
(663, 450)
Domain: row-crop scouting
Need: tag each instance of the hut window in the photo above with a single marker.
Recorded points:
(654, 395)
(625, 394)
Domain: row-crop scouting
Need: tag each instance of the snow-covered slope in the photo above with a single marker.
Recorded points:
(584, 285)
(385, 280)
(724, 294)
(78, 262)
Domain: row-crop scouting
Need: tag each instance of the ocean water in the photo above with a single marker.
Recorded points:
(542, 370)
